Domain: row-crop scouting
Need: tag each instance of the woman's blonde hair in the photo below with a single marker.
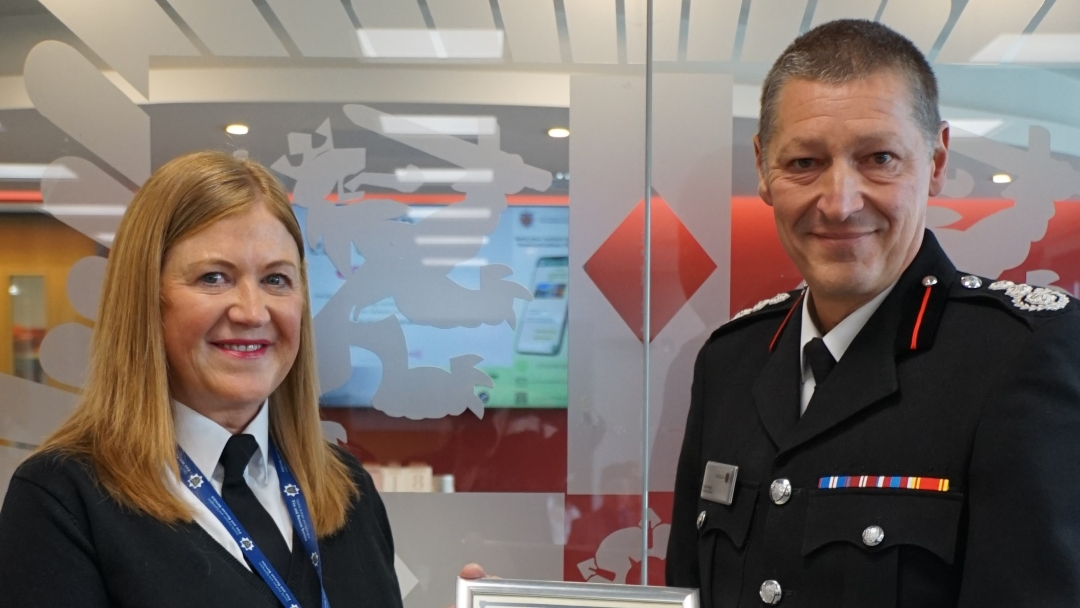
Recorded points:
(123, 422)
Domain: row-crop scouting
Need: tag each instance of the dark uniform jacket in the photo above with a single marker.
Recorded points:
(953, 378)
(64, 543)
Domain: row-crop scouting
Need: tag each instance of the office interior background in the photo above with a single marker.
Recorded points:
(482, 342)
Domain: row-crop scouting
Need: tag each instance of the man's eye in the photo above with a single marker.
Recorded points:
(212, 278)
(882, 158)
(803, 163)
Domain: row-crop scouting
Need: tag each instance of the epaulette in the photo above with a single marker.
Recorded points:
(772, 303)
(1022, 300)
(780, 303)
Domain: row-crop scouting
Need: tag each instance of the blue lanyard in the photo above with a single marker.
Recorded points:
(298, 511)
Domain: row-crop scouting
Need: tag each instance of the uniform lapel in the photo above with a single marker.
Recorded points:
(776, 390)
(866, 373)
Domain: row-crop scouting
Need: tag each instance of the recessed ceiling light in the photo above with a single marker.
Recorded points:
(967, 127)
(447, 125)
(413, 175)
(237, 129)
(431, 44)
(34, 171)
(85, 210)
(454, 261)
(13, 290)
(449, 213)
(559, 132)
(451, 240)
(1002, 178)
(1030, 48)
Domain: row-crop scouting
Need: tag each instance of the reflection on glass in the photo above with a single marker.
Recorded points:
(27, 295)
(462, 100)
(527, 366)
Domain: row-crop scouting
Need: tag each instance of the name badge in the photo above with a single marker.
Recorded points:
(719, 483)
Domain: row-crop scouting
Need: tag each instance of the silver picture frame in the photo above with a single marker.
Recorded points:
(507, 593)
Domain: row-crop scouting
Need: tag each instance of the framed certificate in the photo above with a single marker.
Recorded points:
(506, 593)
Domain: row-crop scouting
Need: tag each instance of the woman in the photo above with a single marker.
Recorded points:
(193, 472)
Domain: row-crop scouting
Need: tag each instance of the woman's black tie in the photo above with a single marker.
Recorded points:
(255, 519)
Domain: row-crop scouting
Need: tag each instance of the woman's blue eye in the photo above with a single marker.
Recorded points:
(278, 280)
(213, 278)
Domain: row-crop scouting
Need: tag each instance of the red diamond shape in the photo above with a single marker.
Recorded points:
(679, 267)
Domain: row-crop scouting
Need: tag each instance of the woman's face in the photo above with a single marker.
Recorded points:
(232, 301)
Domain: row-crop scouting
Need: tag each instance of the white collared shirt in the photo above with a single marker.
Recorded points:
(837, 340)
(204, 440)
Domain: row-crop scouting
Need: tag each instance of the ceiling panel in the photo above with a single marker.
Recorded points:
(713, 25)
(133, 31)
(389, 14)
(593, 38)
(320, 28)
(1063, 18)
(1057, 49)
(920, 20)
(462, 14)
(770, 28)
(12, 8)
(531, 30)
(666, 18)
(230, 28)
(982, 22)
(75, 96)
(831, 10)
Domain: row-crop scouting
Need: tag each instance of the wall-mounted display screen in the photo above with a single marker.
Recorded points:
(526, 363)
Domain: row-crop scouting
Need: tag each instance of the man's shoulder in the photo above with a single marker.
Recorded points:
(1029, 304)
(769, 308)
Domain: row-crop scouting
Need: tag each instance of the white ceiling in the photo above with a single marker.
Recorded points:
(281, 69)
(593, 31)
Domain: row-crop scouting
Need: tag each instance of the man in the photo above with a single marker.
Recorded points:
(904, 434)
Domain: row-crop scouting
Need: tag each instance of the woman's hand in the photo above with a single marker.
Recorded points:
(473, 571)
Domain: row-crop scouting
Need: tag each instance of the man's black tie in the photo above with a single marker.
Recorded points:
(255, 519)
(820, 359)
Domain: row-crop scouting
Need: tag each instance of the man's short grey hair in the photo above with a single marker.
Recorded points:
(846, 50)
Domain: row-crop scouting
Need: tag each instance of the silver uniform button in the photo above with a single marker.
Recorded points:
(780, 491)
(971, 281)
(872, 536)
(929, 281)
(700, 520)
(770, 592)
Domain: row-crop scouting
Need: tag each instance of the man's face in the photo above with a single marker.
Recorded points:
(848, 174)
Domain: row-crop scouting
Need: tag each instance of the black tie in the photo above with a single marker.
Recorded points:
(820, 359)
(255, 519)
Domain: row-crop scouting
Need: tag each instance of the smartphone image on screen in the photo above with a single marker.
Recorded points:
(542, 325)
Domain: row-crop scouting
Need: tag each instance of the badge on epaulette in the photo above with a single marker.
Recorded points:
(1033, 299)
(778, 298)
